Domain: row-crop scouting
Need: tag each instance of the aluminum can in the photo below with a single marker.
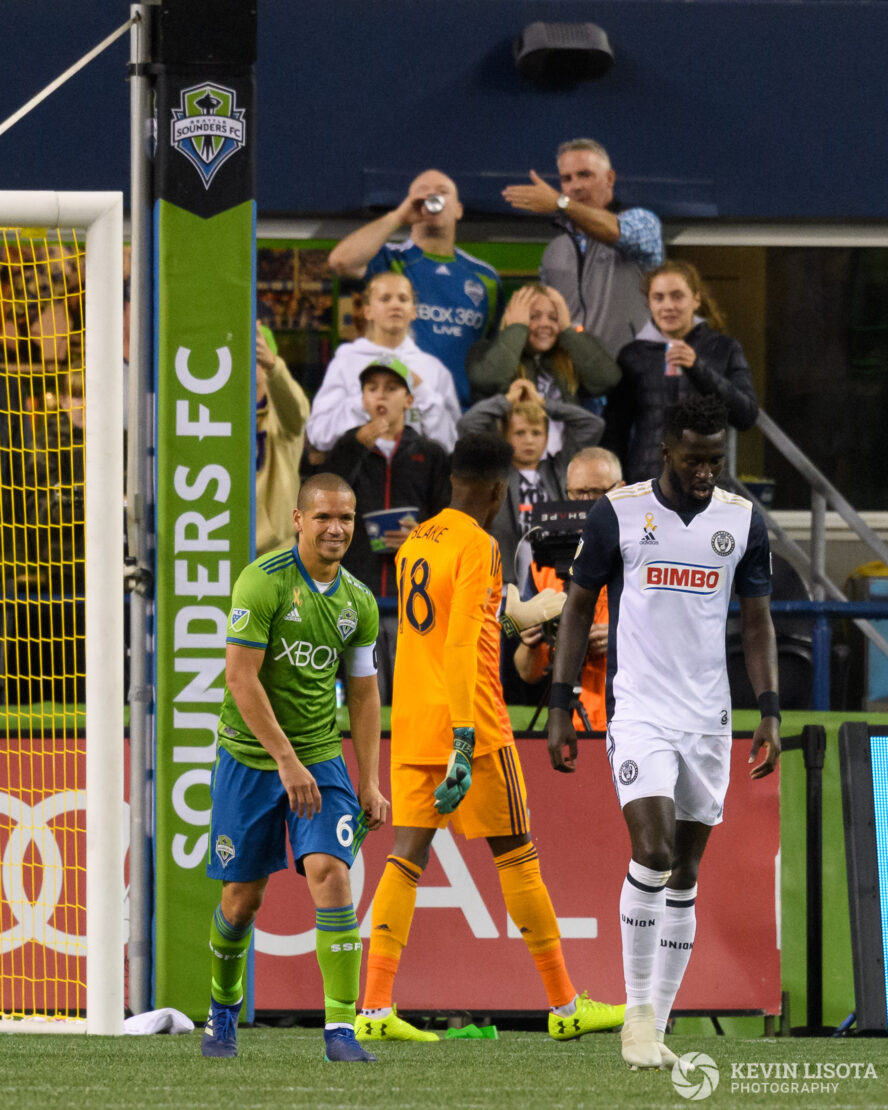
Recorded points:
(670, 369)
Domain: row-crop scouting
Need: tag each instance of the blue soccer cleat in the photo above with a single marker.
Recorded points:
(340, 1046)
(220, 1031)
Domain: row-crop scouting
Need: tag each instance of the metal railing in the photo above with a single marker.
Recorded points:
(824, 495)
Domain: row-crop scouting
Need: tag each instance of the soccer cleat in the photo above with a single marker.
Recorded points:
(340, 1046)
(639, 1037)
(391, 1028)
(667, 1056)
(588, 1017)
(220, 1031)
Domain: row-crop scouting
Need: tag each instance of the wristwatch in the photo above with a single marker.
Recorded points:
(563, 202)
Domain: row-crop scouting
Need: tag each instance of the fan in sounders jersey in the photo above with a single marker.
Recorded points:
(458, 301)
(670, 578)
(277, 606)
(458, 297)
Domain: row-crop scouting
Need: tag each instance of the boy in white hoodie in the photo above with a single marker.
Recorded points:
(390, 309)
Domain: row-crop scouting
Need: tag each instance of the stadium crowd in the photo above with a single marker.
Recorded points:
(591, 354)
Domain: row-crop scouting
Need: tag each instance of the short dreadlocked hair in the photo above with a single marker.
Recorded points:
(481, 457)
(704, 414)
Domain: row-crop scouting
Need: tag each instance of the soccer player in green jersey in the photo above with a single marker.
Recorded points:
(279, 768)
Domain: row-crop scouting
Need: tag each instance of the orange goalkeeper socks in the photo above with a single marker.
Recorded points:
(393, 905)
(530, 908)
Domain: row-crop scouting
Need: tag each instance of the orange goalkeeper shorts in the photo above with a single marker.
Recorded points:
(495, 805)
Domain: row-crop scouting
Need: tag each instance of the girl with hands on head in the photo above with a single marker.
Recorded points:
(537, 343)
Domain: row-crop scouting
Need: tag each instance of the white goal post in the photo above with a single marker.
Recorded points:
(100, 216)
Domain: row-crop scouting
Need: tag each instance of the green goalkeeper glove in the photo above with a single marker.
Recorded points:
(458, 777)
(519, 614)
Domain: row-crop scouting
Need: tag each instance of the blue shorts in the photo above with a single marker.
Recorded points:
(251, 815)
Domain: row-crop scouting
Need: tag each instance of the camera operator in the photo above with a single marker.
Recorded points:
(591, 474)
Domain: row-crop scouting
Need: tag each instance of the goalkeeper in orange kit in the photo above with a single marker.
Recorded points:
(454, 758)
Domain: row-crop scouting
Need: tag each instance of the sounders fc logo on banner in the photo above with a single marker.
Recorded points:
(208, 128)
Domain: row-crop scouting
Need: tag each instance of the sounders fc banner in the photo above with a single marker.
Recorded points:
(204, 221)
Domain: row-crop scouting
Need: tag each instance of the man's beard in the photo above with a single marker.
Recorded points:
(684, 501)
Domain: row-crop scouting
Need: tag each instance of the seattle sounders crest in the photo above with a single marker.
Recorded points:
(208, 127)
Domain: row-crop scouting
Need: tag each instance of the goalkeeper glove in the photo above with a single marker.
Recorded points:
(458, 777)
(519, 614)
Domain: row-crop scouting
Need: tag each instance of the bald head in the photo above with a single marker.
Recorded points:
(591, 473)
(435, 231)
(434, 181)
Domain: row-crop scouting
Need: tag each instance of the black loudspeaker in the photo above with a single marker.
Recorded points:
(561, 54)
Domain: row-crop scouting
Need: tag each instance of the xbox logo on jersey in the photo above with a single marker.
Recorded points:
(628, 772)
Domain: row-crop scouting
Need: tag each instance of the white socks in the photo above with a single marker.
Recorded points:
(677, 932)
(642, 905)
(567, 1010)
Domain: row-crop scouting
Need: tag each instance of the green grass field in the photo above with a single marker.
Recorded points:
(284, 1067)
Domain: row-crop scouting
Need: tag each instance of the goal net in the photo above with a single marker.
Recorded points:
(62, 830)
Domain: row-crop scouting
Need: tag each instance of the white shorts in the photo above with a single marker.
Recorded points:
(692, 768)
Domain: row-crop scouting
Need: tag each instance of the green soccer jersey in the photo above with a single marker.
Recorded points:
(276, 606)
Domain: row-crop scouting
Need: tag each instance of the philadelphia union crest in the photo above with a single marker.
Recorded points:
(628, 772)
(722, 543)
(208, 128)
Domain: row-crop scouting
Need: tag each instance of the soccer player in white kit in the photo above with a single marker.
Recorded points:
(669, 550)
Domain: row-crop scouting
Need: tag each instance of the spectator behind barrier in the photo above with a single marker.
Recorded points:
(281, 412)
(389, 310)
(522, 416)
(537, 342)
(55, 488)
(460, 297)
(591, 473)
(680, 352)
(389, 465)
(597, 261)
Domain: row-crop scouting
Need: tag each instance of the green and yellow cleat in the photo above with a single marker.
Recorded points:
(391, 1028)
(589, 1017)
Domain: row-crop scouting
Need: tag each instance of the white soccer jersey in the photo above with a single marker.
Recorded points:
(669, 578)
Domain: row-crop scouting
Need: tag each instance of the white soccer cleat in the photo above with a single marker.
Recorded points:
(667, 1056)
(639, 1038)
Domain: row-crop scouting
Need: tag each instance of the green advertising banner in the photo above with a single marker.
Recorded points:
(204, 483)
(204, 264)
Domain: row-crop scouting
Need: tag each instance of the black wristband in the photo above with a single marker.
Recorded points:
(769, 704)
(561, 696)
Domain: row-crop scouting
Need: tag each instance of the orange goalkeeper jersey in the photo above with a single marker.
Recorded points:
(448, 652)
